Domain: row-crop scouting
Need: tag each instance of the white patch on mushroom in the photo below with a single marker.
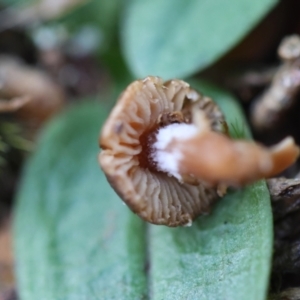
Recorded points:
(167, 159)
(189, 223)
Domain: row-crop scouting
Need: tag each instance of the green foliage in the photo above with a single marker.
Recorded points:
(176, 38)
(238, 132)
(74, 239)
(11, 139)
(11, 136)
(226, 255)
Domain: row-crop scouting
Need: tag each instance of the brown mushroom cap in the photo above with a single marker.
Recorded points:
(144, 107)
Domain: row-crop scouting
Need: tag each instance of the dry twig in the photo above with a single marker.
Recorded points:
(279, 97)
(32, 93)
(285, 197)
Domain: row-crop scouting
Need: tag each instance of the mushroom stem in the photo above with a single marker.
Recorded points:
(284, 154)
(216, 159)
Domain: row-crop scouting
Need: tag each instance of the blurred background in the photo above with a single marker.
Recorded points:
(56, 53)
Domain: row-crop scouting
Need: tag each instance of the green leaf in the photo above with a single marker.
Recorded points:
(74, 237)
(226, 255)
(75, 240)
(222, 256)
(176, 38)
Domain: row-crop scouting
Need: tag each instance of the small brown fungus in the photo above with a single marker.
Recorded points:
(167, 154)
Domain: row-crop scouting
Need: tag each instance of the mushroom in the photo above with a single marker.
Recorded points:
(167, 153)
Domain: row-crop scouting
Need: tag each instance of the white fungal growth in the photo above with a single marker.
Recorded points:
(167, 158)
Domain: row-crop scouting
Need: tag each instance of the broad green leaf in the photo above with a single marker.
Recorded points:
(176, 38)
(74, 237)
(226, 255)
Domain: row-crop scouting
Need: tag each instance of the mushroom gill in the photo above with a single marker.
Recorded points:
(144, 107)
(162, 145)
